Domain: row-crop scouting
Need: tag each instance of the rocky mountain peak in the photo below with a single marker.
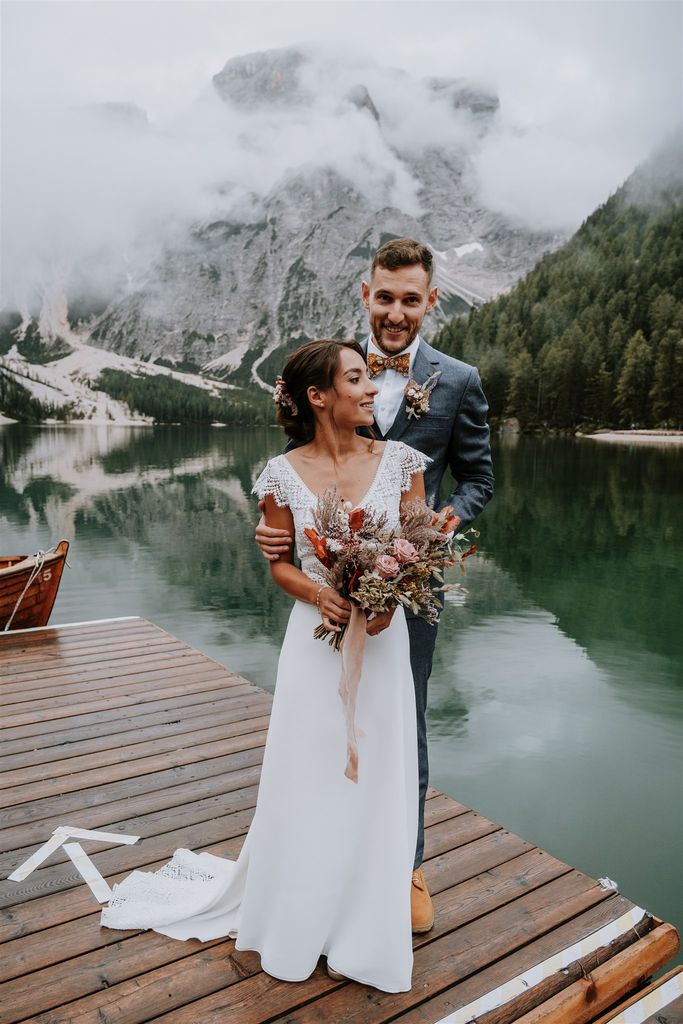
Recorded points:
(258, 79)
(464, 96)
(359, 96)
(279, 256)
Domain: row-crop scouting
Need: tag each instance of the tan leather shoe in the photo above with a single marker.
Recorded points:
(335, 975)
(421, 909)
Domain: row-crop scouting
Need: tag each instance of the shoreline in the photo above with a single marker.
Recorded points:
(658, 437)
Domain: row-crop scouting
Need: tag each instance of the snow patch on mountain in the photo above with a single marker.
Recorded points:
(69, 382)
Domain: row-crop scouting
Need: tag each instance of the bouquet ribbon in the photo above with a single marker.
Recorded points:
(352, 665)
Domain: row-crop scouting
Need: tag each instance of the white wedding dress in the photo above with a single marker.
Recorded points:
(326, 866)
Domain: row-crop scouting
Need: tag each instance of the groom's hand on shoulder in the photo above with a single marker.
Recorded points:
(271, 543)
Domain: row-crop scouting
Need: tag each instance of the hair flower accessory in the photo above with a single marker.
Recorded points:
(417, 395)
(283, 398)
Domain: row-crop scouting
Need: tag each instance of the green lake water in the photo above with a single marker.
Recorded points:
(555, 701)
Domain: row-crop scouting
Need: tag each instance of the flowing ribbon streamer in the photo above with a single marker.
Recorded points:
(352, 666)
(88, 872)
(58, 838)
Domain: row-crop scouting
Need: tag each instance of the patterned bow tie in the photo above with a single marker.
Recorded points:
(378, 364)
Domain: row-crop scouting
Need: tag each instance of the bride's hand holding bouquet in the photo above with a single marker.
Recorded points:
(377, 568)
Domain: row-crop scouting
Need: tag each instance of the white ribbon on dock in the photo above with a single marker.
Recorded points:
(58, 838)
(39, 856)
(88, 872)
(535, 975)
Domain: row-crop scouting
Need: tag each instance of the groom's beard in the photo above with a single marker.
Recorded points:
(392, 343)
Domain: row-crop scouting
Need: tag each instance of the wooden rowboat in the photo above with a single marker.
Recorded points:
(28, 587)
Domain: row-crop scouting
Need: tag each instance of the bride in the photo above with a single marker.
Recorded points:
(326, 867)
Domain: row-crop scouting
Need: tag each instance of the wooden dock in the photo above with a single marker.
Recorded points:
(118, 726)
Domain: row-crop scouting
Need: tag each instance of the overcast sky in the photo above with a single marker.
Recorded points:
(586, 90)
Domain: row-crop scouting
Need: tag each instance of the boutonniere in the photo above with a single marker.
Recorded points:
(417, 395)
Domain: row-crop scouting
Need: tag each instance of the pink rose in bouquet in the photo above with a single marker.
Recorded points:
(404, 551)
(386, 566)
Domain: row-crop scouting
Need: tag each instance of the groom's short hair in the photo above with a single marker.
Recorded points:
(403, 252)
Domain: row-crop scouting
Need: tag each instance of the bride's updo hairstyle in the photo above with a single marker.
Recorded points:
(313, 365)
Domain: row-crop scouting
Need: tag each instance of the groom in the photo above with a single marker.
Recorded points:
(448, 424)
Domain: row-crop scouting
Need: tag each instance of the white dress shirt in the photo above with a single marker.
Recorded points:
(391, 385)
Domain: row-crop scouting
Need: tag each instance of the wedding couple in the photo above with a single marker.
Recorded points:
(331, 867)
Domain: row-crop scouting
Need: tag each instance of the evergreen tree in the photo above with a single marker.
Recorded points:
(635, 382)
(521, 399)
(595, 326)
(666, 393)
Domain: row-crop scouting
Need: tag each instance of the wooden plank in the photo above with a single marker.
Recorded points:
(178, 981)
(582, 1001)
(100, 796)
(17, 638)
(68, 705)
(214, 690)
(132, 682)
(16, 644)
(104, 816)
(639, 996)
(539, 994)
(31, 661)
(464, 829)
(245, 719)
(461, 993)
(20, 671)
(139, 766)
(145, 722)
(42, 643)
(38, 653)
(131, 665)
(155, 823)
(125, 700)
(38, 683)
(248, 719)
(54, 989)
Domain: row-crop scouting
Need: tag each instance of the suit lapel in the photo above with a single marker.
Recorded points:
(423, 368)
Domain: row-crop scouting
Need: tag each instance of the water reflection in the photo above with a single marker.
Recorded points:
(593, 533)
(165, 517)
(582, 531)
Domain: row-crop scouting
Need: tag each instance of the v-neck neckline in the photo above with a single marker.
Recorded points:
(367, 493)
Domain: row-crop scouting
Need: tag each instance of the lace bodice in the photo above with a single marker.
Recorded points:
(394, 474)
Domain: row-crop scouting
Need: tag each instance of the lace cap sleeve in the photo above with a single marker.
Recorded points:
(272, 481)
(411, 461)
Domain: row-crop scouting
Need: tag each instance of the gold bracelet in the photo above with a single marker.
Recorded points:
(317, 597)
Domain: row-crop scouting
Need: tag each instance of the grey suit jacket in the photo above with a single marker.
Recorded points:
(454, 433)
